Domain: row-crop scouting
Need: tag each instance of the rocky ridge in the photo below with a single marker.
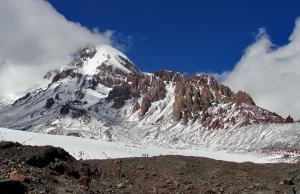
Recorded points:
(103, 87)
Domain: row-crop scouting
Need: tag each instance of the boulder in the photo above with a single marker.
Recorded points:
(18, 176)
(49, 103)
(118, 103)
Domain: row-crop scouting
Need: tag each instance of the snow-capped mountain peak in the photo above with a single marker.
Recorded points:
(102, 94)
(91, 59)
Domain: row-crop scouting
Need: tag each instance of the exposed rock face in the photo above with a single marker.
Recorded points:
(128, 64)
(49, 74)
(144, 108)
(42, 157)
(122, 91)
(195, 96)
(63, 74)
(136, 107)
(49, 103)
(152, 88)
(65, 109)
(289, 119)
(98, 80)
(156, 91)
(169, 76)
(104, 67)
(243, 97)
(118, 103)
(26, 97)
(198, 95)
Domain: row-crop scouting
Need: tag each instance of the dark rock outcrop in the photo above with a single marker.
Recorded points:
(122, 91)
(65, 109)
(49, 103)
(12, 187)
(44, 156)
(145, 107)
(118, 103)
(289, 119)
(26, 97)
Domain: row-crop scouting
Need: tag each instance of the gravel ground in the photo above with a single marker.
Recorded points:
(46, 169)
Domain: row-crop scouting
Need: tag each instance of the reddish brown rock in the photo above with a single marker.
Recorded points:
(118, 71)
(144, 108)
(157, 90)
(210, 191)
(169, 76)
(136, 106)
(118, 103)
(206, 95)
(165, 75)
(134, 91)
(204, 117)
(232, 120)
(215, 124)
(196, 102)
(84, 181)
(243, 97)
(220, 110)
(105, 68)
(289, 119)
(225, 91)
(177, 107)
(189, 97)
(18, 176)
(177, 113)
(120, 91)
(107, 81)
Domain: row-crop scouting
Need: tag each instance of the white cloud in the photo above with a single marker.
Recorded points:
(35, 38)
(270, 74)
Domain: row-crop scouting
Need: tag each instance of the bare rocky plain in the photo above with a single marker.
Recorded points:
(46, 169)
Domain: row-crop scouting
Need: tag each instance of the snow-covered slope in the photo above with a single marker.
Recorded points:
(83, 148)
(103, 95)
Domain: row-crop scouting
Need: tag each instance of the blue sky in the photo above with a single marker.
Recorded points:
(186, 36)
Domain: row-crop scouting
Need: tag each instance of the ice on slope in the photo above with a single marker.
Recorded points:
(104, 53)
(85, 148)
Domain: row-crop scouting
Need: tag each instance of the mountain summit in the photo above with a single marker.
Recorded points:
(102, 94)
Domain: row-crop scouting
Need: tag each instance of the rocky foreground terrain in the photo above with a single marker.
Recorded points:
(36, 170)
